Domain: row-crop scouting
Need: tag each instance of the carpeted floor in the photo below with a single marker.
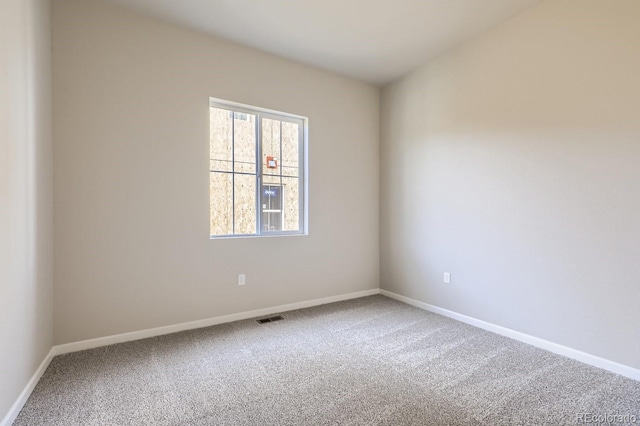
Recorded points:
(369, 361)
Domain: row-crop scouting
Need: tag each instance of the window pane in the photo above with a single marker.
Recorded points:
(290, 144)
(292, 201)
(271, 147)
(221, 139)
(244, 143)
(220, 206)
(245, 204)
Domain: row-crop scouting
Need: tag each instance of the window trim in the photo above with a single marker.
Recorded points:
(303, 175)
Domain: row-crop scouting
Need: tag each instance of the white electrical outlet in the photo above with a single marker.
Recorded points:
(447, 278)
(242, 279)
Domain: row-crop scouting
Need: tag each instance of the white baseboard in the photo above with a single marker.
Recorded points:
(605, 364)
(26, 392)
(159, 331)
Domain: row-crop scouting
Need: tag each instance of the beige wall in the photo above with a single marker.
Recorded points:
(26, 319)
(131, 111)
(513, 162)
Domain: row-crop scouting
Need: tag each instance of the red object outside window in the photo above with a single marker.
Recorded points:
(272, 163)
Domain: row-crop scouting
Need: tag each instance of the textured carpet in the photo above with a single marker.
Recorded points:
(369, 361)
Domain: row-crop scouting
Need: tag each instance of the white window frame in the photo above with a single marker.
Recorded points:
(303, 168)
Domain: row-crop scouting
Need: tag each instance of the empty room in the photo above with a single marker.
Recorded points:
(279, 212)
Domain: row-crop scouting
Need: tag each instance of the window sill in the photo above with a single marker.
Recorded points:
(233, 237)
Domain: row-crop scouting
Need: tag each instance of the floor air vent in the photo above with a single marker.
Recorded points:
(270, 319)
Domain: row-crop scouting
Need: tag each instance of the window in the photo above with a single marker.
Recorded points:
(256, 171)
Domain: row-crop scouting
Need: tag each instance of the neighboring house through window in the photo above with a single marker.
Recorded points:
(257, 171)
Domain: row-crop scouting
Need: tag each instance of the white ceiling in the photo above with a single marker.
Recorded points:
(372, 40)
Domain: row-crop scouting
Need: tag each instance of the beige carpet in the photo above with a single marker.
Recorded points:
(369, 361)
